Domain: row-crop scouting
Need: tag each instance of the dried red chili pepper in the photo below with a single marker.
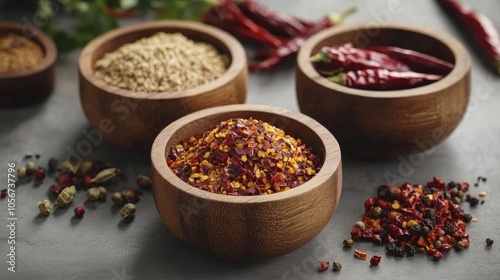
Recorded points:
(382, 79)
(480, 27)
(291, 47)
(417, 61)
(360, 255)
(279, 24)
(348, 58)
(227, 16)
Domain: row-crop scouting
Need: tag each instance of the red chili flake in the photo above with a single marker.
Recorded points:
(360, 255)
(416, 217)
(324, 266)
(3, 193)
(243, 157)
(375, 260)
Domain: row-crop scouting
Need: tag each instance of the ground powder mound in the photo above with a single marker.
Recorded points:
(18, 54)
(163, 62)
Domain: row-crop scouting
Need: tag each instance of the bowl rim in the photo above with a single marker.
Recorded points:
(235, 48)
(40, 38)
(460, 69)
(331, 163)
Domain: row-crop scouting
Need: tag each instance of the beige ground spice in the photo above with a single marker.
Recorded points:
(18, 54)
(161, 63)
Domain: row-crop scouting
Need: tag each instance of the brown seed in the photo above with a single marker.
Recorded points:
(336, 266)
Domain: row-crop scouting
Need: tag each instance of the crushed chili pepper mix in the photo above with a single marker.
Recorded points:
(243, 157)
(415, 218)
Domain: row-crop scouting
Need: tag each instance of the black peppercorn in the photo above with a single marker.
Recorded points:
(474, 201)
(425, 230)
(416, 228)
(489, 241)
(449, 229)
(410, 250)
(336, 266)
(399, 252)
(391, 248)
(451, 185)
(430, 214)
(467, 218)
(425, 201)
(447, 196)
(387, 194)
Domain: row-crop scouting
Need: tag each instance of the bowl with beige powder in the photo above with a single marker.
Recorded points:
(136, 80)
(27, 65)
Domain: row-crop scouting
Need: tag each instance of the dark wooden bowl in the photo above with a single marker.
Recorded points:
(386, 123)
(247, 227)
(34, 85)
(133, 119)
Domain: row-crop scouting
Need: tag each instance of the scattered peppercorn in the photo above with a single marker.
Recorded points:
(130, 196)
(323, 266)
(243, 157)
(117, 198)
(348, 242)
(489, 241)
(30, 168)
(93, 193)
(128, 212)
(40, 173)
(336, 266)
(3, 193)
(45, 207)
(360, 225)
(22, 172)
(144, 182)
(52, 164)
(474, 201)
(79, 211)
(102, 192)
(375, 260)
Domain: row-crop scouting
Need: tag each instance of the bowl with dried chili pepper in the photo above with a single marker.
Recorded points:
(384, 90)
(137, 79)
(246, 182)
(27, 65)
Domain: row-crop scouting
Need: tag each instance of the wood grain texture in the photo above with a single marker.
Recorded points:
(35, 85)
(133, 119)
(247, 227)
(386, 123)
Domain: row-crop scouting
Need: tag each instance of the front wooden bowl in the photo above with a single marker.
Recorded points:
(35, 85)
(133, 119)
(247, 227)
(386, 123)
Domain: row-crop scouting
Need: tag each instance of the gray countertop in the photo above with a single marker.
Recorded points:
(100, 247)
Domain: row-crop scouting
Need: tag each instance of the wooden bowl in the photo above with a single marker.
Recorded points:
(133, 119)
(247, 227)
(34, 85)
(386, 123)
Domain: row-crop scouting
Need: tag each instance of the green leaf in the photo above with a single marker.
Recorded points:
(186, 9)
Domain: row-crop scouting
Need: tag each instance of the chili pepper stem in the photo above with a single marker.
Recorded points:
(497, 66)
(321, 56)
(340, 79)
(338, 18)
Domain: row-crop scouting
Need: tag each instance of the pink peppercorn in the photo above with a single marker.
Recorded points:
(375, 260)
(40, 173)
(3, 193)
(79, 211)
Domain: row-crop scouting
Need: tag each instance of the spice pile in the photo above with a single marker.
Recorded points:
(243, 157)
(161, 63)
(416, 218)
(91, 177)
(18, 54)
(378, 68)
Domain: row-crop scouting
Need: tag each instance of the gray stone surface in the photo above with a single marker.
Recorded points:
(99, 247)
